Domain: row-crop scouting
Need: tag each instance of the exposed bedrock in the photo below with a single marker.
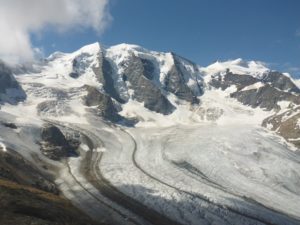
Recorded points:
(176, 82)
(280, 81)
(103, 103)
(137, 73)
(104, 74)
(265, 93)
(55, 145)
(266, 97)
(229, 79)
(10, 90)
(286, 124)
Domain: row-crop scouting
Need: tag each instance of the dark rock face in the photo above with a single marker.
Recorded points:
(229, 79)
(75, 72)
(281, 82)
(8, 82)
(74, 75)
(286, 124)
(149, 69)
(9, 125)
(276, 87)
(144, 89)
(265, 97)
(54, 144)
(104, 74)
(177, 84)
(53, 135)
(105, 104)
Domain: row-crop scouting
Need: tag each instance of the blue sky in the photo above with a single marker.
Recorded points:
(201, 30)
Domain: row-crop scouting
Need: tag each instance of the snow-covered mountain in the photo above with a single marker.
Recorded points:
(127, 83)
(158, 135)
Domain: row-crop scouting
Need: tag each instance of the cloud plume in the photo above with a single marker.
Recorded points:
(19, 18)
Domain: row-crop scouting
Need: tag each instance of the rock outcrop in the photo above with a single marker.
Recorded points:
(104, 74)
(280, 81)
(266, 97)
(104, 104)
(54, 144)
(137, 73)
(286, 124)
(176, 83)
(227, 80)
(265, 92)
(10, 90)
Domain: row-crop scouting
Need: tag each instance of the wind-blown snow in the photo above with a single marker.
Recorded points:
(238, 66)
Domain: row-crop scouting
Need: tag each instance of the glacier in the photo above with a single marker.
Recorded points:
(207, 162)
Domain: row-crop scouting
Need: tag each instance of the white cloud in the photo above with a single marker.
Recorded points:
(294, 69)
(19, 18)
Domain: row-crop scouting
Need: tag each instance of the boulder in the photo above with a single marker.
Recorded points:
(54, 144)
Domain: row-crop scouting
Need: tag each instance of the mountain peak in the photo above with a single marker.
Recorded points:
(93, 48)
(128, 48)
(237, 66)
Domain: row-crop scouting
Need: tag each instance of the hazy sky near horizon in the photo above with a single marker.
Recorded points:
(201, 30)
